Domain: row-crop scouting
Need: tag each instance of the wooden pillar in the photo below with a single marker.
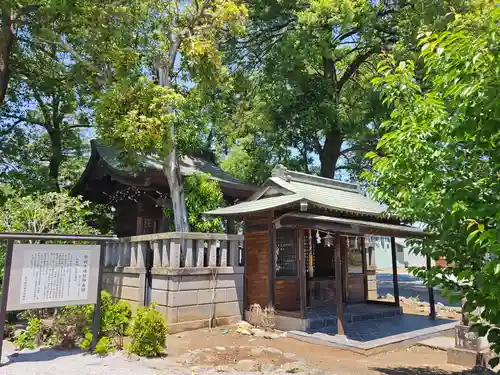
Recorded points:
(395, 271)
(364, 267)
(272, 261)
(302, 273)
(338, 286)
(432, 305)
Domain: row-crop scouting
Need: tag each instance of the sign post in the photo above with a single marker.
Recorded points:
(5, 292)
(45, 276)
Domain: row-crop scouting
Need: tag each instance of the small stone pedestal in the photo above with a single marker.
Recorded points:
(470, 350)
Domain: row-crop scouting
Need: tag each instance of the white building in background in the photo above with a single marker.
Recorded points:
(381, 247)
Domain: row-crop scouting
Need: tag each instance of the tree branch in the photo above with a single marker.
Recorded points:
(354, 66)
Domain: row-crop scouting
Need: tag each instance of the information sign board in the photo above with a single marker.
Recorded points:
(44, 276)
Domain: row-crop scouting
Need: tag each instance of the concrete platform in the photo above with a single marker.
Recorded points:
(379, 335)
(441, 343)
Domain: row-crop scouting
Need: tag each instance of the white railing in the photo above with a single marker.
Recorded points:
(176, 250)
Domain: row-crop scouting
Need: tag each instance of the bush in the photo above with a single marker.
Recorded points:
(75, 322)
(149, 333)
(86, 343)
(29, 339)
(104, 346)
(70, 325)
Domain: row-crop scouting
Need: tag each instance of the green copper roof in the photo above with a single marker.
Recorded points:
(263, 204)
(318, 191)
(188, 165)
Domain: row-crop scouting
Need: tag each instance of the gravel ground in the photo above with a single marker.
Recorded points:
(50, 362)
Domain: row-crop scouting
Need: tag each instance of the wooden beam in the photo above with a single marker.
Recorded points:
(338, 286)
(395, 271)
(302, 274)
(432, 305)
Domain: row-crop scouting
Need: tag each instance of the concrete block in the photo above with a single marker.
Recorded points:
(205, 296)
(203, 323)
(194, 282)
(229, 308)
(182, 298)
(234, 294)
(229, 281)
(173, 283)
(123, 292)
(159, 296)
(170, 313)
(189, 313)
(120, 279)
(468, 358)
(160, 282)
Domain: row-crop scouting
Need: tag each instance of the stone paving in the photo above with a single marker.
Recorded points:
(320, 318)
(374, 329)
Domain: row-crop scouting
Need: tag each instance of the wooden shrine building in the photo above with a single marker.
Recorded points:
(139, 196)
(306, 249)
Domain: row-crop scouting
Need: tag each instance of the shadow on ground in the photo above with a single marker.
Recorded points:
(430, 371)
(41, 355)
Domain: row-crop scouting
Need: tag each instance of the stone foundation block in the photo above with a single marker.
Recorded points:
(205, 296)
(468, 358)
(182, 298)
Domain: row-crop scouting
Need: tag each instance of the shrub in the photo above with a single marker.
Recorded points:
(29, 339)
(70, 325)
(104, 346)
(86, 343)
(75, 322)
(149, 333)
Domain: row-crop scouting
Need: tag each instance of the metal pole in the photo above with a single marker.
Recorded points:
(96, 322)
(432, 306)
(5, 291)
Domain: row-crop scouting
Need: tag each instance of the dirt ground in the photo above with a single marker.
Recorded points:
(227, 347)
(419, 308)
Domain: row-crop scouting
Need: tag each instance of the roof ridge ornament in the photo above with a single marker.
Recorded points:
(280, 171)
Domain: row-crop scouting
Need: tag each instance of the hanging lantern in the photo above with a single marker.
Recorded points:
(328, 240)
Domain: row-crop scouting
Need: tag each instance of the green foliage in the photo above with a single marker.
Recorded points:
(86, 343)
(149, 333)
(438, 164)
(74, 322)
(103, 346)
(202, 195)
(46, 213)
(29, 338)
(306, 69)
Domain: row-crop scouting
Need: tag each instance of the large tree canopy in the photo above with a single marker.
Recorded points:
(309, 64)
(440, 163)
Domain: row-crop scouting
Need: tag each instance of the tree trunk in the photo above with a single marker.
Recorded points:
(172, 172)
(6, 43)
(330, 154)
(55, 157)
